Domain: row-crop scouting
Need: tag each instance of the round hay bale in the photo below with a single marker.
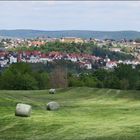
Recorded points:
(52, 91)
(23, 110)
(53, 106)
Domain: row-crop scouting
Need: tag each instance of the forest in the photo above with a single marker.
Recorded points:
(22, 76)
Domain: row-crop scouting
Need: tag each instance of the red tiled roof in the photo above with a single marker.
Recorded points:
(37, 43)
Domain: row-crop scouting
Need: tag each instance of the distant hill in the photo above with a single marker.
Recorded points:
(117, 35)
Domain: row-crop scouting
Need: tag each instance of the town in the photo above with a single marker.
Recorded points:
(87, 61)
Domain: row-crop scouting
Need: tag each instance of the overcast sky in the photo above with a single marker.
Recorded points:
(68, 15)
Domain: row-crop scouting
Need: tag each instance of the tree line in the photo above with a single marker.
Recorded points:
(21, 76)
(122, 77)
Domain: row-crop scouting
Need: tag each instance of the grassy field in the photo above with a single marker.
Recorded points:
(85, 114)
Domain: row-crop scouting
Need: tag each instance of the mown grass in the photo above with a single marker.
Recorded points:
(85, 114)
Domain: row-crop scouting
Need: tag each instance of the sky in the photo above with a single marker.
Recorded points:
(70, 15)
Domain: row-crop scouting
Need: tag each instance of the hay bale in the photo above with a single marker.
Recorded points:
(23, 110)
(53, 106)
(52, 91)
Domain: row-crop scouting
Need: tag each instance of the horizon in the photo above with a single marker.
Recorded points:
(69, 30)
(70, 15)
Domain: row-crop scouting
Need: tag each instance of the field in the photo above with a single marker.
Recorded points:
(85, 114)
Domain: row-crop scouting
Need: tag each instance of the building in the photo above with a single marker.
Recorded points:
(71, 40)
(13, 59)
(111, 64)
(115, 49)
(36, 43)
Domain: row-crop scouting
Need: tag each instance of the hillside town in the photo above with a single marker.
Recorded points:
(88, 61)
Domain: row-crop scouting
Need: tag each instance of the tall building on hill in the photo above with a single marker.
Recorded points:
(71, 39)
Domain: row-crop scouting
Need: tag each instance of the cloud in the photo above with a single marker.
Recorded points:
(55, 15)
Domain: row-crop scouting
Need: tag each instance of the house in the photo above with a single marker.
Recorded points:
(86, 65)
(55, 55)
(44, 59)
(3, 62)
(12, 59)
(111, 64)
(33, 59)
(36, 43)
(115, 49)
(72, 57)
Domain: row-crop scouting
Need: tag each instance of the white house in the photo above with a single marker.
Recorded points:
(13, 59)
(88, 65)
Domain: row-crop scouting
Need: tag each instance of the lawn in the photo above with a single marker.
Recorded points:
(85, 114)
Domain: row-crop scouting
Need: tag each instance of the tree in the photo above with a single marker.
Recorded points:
(18, 77)
(2, 45)
(112, 81)
(7, 80)
(127, 74)
(26, 82)
(138, 85)
(42, 79)
(58, 78)
(124, 84)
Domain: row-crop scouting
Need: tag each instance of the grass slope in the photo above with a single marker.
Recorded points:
(85, 114)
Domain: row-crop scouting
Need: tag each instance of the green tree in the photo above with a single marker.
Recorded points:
(42, 79)
(18, 76)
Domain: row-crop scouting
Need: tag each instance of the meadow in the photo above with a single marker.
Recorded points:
(85, 114)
